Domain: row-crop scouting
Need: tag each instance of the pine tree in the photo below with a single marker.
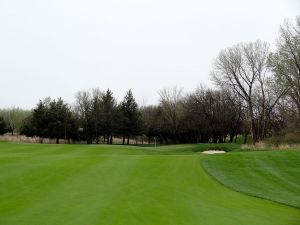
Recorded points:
(130, 116)
(109, 112)
(3, 126)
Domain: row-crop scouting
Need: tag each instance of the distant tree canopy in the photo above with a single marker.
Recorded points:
(100, 116)
(258, 93)
(51, 119)
(205, 115)
(14, 118)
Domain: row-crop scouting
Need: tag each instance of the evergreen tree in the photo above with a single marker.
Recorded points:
(59, 117)
(96, 115)
(50, 119)
(130, 117)
(109, 112)
(3, 126)
(40, 120)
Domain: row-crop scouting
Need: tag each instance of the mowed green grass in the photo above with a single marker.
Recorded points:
(273, 175)
(91, 185)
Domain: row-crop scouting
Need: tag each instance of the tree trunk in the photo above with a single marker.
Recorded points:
(253, 130)
(214, 139)
(123, 140)
(108, 139)
(65, 133)
(245, 138)
(87, 136)
(235, 139)
(57, 140)
(128, 140)
(220, 139)
(111, 140)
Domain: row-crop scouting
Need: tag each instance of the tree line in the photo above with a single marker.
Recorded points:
(257, 94)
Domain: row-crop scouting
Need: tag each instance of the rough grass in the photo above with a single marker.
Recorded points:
(273, 175)
(122, 185)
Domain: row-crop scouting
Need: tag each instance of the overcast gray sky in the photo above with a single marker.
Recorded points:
(58, 47)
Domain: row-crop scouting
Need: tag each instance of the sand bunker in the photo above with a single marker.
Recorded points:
(213, 152)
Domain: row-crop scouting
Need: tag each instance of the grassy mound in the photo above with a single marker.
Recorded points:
(120, 185)
(273, 175)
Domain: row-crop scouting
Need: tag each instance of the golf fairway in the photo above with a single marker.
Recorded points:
(116, 185)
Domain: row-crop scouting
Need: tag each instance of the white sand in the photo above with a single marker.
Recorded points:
(213, 152)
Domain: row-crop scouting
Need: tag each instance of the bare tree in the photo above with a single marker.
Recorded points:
(285, 61)
(171, 100)
(151, 118)
(14, 118)
(242, 68)
(219, 112)
(83, 107)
